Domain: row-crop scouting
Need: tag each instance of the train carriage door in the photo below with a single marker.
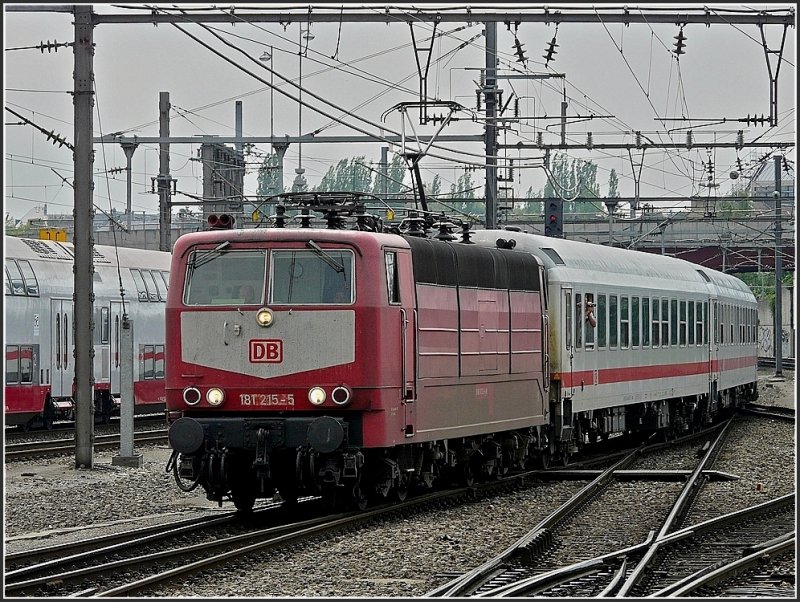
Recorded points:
(61, 348)
(564, 356)
(712, 332)
(115, 321)
(400, 282)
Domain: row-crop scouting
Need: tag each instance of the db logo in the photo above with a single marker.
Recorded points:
(266, 352)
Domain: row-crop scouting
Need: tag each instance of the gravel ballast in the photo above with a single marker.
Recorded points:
(50, 502)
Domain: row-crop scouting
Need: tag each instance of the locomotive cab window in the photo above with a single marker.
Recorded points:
(392, 277)
(312, 277)
(222, 277)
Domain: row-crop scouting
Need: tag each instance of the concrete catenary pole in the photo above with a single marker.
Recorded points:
(83, 296)
(491, 124)
(128, 148)
(126, 456)
(778, 336)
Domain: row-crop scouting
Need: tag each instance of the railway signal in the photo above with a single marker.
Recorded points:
(554, 218)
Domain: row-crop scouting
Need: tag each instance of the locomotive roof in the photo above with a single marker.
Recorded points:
(574, 261)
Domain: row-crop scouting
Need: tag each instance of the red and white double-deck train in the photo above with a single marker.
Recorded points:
(39, 337)
(369, 362)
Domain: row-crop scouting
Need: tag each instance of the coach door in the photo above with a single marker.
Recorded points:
(713, 348)
(115, 321)
(61, 347)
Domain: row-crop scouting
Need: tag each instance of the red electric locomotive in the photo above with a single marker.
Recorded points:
(365, 363)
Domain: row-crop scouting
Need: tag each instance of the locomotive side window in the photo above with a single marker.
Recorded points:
(218, 277)
(612, 321)
(602, 323)
(12, 364)
(635, 321)
(309, 277)
(392, 277)
(31, 284)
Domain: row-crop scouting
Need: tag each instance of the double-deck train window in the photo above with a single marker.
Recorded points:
(15, 283)
(159, 361)
(141, 285)
(105, 325)
(31, 284)
(147, 362)
(12, 364)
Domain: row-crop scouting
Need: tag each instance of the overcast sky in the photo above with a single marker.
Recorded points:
(627, 73)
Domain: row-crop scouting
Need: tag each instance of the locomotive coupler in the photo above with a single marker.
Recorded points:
(261, 463)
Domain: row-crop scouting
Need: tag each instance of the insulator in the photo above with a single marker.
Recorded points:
(516, 107)
(689, 139)
(739, 139)
(638, 139)
(589, 142)
(478, 99)
(538, 139)
(482, 78)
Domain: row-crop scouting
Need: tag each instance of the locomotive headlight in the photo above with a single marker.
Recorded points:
(316, 396)
(215, 396)
(265, 317)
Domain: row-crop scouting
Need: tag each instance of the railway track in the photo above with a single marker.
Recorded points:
(537, 565)
(787, 363)
(60, 446)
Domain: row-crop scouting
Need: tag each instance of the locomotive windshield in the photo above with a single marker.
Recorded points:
(236, 277)
(312, 277)
(221, 277)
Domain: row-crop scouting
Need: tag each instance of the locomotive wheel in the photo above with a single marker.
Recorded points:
(544, 460)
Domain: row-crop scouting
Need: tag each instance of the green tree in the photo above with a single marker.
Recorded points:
(268, 184)
(352, 175)
(613, 184)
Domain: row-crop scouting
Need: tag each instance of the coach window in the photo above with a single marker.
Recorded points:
(613, 321)
(141, 287)
(656, 323)
(634, 321)
(26, 364)
(165, 280)
(673, 322)
(721, 323)
(147, 364)
(682, 323)
(624, 323)
(105, 325)
(161, 290)
(392, 277)
(568, 319)
(690, 322)
(602, 322)
(31, 284)
(645, 321)
(159, 361)
(15, 277)
(578, 321)
(12, 364)
(664, 322)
